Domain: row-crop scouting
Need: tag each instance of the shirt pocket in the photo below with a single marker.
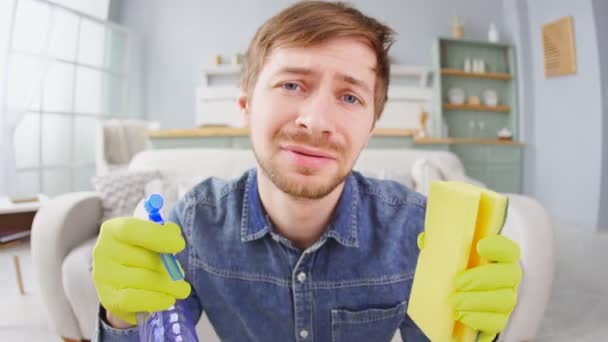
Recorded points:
(372, 324)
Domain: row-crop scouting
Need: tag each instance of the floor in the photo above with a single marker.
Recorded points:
(578, 309)
(22, 318)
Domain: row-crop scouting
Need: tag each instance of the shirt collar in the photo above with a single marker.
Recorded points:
(343, 227)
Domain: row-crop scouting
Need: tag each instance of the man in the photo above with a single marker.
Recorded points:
(301, 247)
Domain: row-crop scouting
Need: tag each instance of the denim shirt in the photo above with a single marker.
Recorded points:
(353, 284)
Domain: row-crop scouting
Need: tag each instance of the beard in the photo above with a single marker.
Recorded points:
(280, 174)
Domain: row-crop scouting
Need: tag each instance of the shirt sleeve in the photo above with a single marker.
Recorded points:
(106, 333)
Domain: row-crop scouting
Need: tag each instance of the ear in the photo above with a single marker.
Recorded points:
(243, 103)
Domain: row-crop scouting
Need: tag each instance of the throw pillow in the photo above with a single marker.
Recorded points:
(424, 172)
(121, 191)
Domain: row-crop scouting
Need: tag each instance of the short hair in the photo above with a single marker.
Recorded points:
(311, 22)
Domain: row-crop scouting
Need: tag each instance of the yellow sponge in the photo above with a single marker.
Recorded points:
(458, 215)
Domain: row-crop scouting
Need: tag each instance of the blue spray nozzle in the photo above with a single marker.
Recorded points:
(154, 203)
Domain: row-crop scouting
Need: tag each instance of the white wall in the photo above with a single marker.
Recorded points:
(178, 38)
(567, 119)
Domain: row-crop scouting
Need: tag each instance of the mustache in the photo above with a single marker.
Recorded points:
(303, 137)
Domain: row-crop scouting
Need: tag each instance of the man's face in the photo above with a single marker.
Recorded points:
(310, 114)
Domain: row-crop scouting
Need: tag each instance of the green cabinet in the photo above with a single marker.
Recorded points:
(474, 116)
(499, 167)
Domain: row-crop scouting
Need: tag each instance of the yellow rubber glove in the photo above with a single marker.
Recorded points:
(486, 295)
(127, 270)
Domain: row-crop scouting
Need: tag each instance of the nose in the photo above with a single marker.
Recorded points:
(316, 114)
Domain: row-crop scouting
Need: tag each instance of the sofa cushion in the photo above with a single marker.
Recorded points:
(121, 191)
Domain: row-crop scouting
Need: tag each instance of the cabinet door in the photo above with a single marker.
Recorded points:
(476, 154)
(477, 172)
(504, 168)
(504, 155)
(505, 178)
(498, 167)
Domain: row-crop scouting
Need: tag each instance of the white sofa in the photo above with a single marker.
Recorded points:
(65, 229)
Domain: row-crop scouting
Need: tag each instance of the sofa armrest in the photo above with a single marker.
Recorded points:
(60, 225)
(529, 225)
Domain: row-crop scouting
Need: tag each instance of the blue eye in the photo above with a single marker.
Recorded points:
(290, 86)
(351, 99)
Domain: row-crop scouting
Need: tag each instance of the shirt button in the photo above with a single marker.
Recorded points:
(301, 279)
(303, 333)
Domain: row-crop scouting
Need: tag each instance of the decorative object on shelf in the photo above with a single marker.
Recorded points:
(482, 128)
(456, 95)
(493, 34)
(237, 59)
(472, 129)
(479, 66)
(467, 65)
(217, 60)
(505, 134)
(473, 100)
(422, 132)
(457, 28)
(490, 97)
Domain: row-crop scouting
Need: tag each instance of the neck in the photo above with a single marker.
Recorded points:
(301, 220)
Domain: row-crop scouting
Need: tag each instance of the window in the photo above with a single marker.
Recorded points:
(76, 62)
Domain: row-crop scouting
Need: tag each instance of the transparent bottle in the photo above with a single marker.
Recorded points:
(171, 325)
(471, 129)
(175, 323)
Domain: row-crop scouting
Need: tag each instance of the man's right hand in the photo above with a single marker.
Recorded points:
(127, 270)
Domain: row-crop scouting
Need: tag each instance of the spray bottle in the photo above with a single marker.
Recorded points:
(174, 324)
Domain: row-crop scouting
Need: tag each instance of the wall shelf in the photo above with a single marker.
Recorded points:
(485, 75)
(481, 108)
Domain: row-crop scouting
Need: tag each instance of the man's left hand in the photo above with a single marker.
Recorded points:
(485, 295)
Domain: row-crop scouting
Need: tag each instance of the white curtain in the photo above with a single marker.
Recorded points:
(21, 76)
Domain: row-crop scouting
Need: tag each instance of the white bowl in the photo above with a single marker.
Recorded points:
(456, 96)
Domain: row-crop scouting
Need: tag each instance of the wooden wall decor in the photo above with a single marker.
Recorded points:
(558, 47)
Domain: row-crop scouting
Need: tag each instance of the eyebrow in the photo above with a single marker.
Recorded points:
(355, 82)
(346, 78)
